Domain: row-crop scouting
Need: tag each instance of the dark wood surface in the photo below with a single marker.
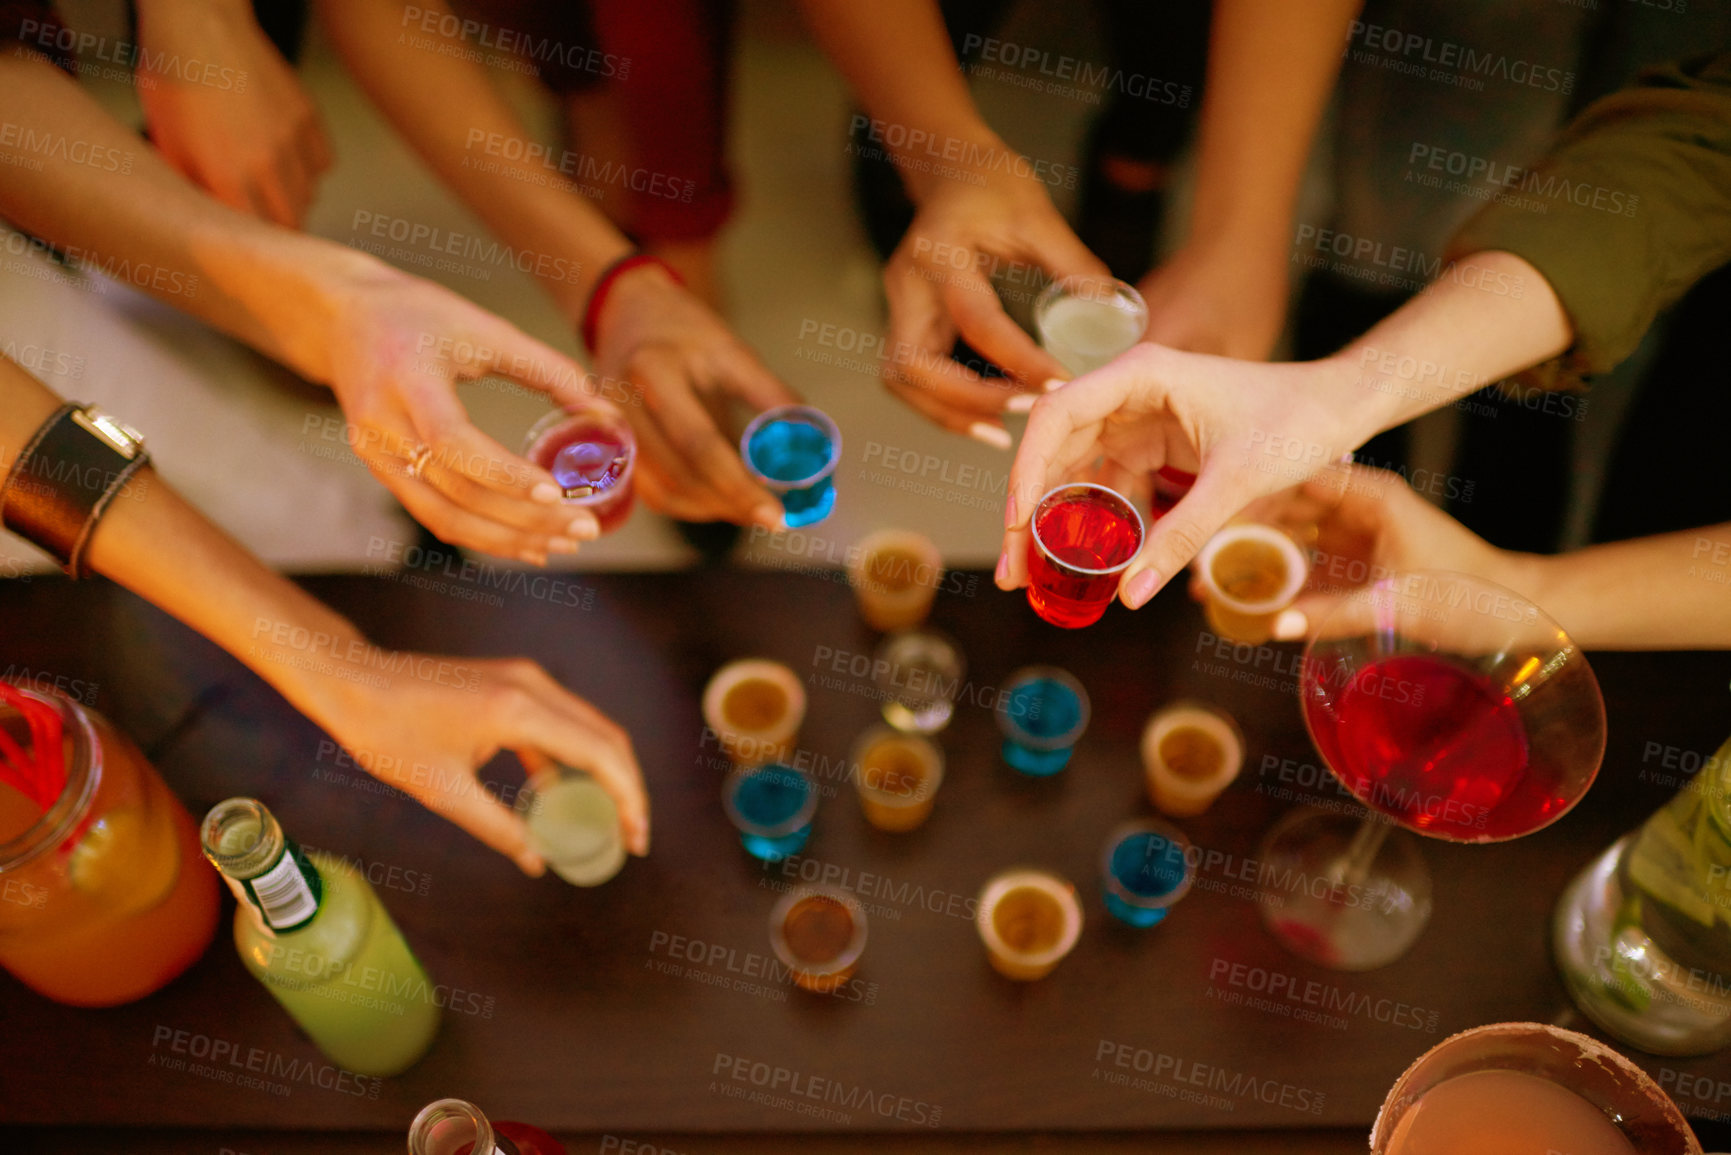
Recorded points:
(567, 1013)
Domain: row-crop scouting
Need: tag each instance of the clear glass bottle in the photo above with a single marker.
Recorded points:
(103, 898)
(456, 1127)
(1643, 934)
(316, 935)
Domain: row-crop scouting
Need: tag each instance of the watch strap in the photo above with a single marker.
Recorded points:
(65, 478)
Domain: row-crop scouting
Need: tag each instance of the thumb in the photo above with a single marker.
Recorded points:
(1179, 536)
(470, 806)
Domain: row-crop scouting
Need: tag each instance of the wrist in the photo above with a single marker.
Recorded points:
(971, 155)
(623, 291)
(1361, 402)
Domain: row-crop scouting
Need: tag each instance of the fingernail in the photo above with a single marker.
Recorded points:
(1003, 568)
(531, 864)
(562, 545)
(994, 435)
(1141, 588)
(1021, 403)
(1290, 626)
(584, 529)
(1010, 519)
(534, 558)
(544, 492)
(769, 517)
(1054, 383)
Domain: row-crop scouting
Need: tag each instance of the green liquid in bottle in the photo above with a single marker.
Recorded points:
(347, 977)
(1680, 867)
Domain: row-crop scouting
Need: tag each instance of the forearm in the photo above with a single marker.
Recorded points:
(1271, 67)
(159, 547)
(451, 114)
(1486, 317)
(101, 195)
(1671, 592)
(896, 57)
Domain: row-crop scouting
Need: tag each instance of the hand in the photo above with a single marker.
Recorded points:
(939, 286)
(1218, 297)
(396, 348)
(243, 129)
(441, 719)
(1245, 429)
(691, 367)
(1370, 525)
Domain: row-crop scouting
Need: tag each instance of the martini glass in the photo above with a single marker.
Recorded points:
(1524, 1087)
(1448, 705)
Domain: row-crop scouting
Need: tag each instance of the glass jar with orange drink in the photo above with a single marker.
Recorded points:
(104, 894)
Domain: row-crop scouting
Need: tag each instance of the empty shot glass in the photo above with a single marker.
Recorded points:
(754, 708)
(1250, 573)
(1029, 920)
(1085, 322)
(1190, 753)
(793, 451)
(1084, 537)
(772, 807)
(917, 674)
(1146, 868)
(895, 576)
(897, 776)
(573, 824)
(592, 455)
(1042, 714)
(818, 933)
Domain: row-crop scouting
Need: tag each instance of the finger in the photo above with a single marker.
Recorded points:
(751, 382)
(560, 520)
(691, 434)
(455, 525)
(314, 145)
(437, 418)
(1179, 536)
(987, 429)
(518, 357)
(1056, 248)
(664, 482)
(567, 735)
(283, 191)
(920, 339)
(469, 806)
(980, 318)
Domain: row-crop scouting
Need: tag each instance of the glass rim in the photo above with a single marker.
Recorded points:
(1013, 730)
(84, 769)
(1062, 287)
(1136, 514)
(554, 418)
(440, 1110)
(812, 416)
(1384, 625)
(1297, 567)
(879, 796)
(850, 954)
(798, 820)
(1050, 883)
(1174, 838)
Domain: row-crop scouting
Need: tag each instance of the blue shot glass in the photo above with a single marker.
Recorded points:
(772, 807)
(1146, 869)
(1042, 713)
(793, 451)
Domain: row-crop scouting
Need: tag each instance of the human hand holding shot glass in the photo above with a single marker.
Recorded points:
(1084, 537)
(754, 708)
(1086, 322)
(592, 455)
(792, 451)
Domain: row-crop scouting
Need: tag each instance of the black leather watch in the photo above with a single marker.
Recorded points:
(62, 482)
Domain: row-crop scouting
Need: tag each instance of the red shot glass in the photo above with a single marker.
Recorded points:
(1085, 536)
(592, 455)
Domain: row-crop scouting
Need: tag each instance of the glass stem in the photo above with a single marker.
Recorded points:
(1361, 852)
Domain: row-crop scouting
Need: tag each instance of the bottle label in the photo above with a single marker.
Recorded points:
(287, 895)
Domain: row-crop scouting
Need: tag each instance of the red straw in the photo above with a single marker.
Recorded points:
(41, 774)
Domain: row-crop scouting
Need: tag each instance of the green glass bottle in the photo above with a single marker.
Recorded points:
(316, 935)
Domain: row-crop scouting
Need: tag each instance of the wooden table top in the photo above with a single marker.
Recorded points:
(641, 1009)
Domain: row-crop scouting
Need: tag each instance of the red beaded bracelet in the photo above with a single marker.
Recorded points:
(604, 286)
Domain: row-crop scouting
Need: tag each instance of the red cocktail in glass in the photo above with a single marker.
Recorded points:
(1085, 535)
(592, 455)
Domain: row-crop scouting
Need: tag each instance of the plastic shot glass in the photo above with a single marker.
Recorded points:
(895, 576)
(1085, 536)
(592, 455)
(917, 674)
(793, 450)
(818, 933)
(897, 776)
(573, 824)
(1191, 752)
(1249, 574)
(1085, 322)
(1029, 920)
(772, 807)
(754, 708)
(1146, 870)
(1043, 712)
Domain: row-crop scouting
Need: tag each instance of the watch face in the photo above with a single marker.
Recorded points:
(122, 438)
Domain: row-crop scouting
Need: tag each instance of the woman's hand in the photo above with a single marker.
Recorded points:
(440, 719)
